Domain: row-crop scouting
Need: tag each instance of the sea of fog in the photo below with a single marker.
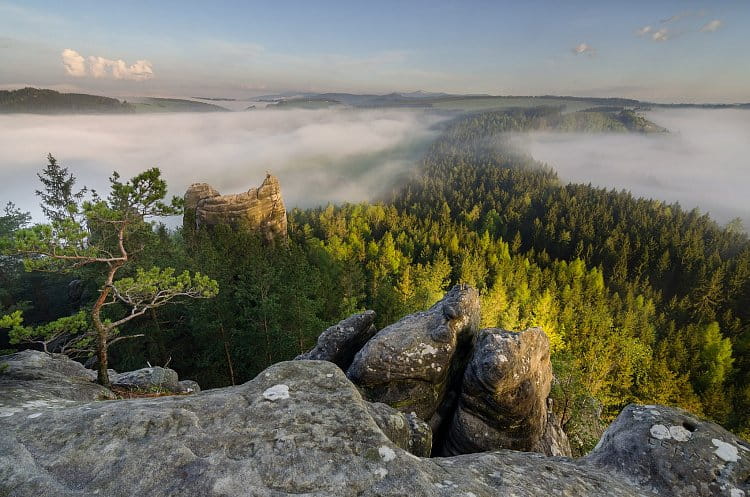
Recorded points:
(338, 155)
(703, 162)
(320, 156)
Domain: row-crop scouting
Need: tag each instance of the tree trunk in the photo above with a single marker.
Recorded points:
(101, 331)
(101, 343)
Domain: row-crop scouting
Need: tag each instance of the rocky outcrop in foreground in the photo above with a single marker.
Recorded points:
(302, 427)
(477, 390)
(258, 209)
(503, 395)
(415, 363)
(305, 428)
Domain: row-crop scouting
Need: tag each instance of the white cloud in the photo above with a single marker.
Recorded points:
(661, 35)
(644, 30)
(101, 67)
(584, 49)
(679, 25)
(74, 63)
(711, 26)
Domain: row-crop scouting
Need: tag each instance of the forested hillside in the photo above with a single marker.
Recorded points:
(40, 101)
(642, 301)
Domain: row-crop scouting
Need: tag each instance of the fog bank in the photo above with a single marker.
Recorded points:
(703, 162)
(320, 156)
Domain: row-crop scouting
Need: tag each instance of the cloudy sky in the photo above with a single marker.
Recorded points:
(671, 50)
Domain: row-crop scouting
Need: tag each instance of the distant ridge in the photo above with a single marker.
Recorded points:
(41, 101)
(45, 101)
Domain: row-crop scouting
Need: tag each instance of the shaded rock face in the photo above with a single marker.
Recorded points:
(258, 209)
(554, 441)
(35, 380)
(673, 453)
(413, 364)
(503, 401)
(299, 427)
(405, 430)
(339, 343)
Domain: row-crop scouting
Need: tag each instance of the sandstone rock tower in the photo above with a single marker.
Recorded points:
(258, 209)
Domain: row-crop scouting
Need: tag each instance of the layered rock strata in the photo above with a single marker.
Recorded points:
(258, 209)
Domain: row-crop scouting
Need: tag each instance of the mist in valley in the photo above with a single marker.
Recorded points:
(346, 155)
(703, 162)
(320, 156)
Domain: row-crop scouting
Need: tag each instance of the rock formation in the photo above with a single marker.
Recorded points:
(35, 379)
(413, 364)
(670, 452)
(154, 378)
(419, 365)
(302, 427)
(339, 343)
(503, 401)
(258, 209)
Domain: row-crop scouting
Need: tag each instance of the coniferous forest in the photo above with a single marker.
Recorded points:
(643, 301)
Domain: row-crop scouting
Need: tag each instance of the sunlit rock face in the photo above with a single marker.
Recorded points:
(414, 364)
(258, 209)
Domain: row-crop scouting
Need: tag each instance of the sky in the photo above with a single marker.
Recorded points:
(667, 51)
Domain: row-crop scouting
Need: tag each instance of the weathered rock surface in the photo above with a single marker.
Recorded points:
(554, 441)
(503, 401)
(673, 453)
(405, 430)
(194, 194)
(299, 428)
(189, 386)
(35, 380)
(339, 343)
(260, 209)
(413, 363)
(153, 378)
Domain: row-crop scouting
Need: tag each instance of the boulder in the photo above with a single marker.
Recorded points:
(258, 209)
(503, 402)
(298, 428)
(673, 453)
(189, 386)
(412, 364)
(34, 380)
(154, 378)
(339, 343)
